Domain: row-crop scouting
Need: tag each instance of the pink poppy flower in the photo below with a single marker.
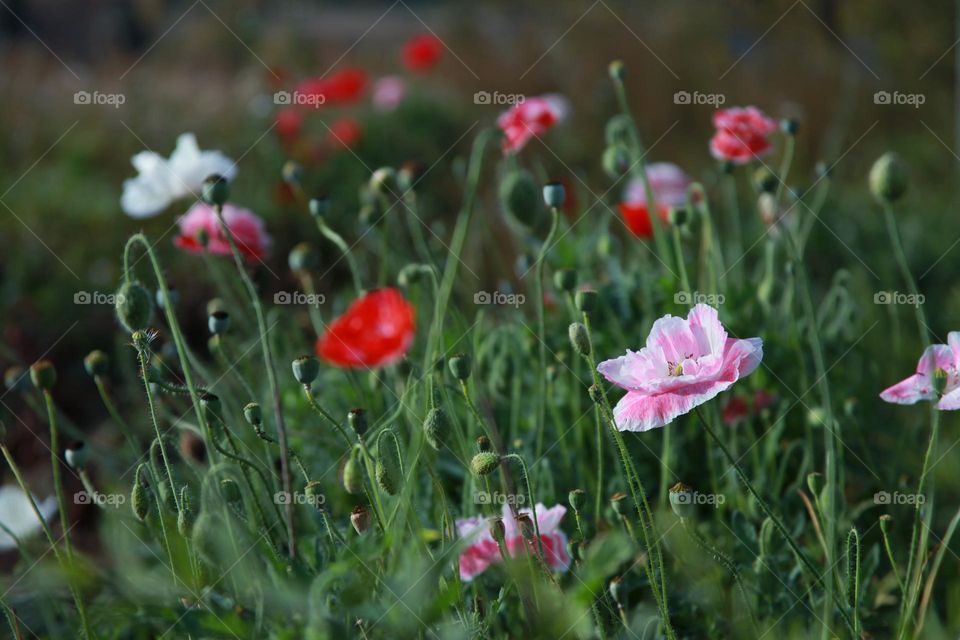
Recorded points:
(388, 93)
(532, 117)
(920, 386)
(742, 134)
(684, 364)
(669, 184)
(247, 228)
(483, 550)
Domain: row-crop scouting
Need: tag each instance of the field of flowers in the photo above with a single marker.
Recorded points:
(403, 376)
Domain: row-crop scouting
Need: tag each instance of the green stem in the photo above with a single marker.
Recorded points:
(338, 240)
(541, 330)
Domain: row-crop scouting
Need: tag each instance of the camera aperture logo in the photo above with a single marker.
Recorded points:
(497, 98)
(896, 297)
(695, 497)
(100, 499)
(314, 499)
(695, 297)
(698, 98)
(486, 497)
(97, 297)
(298, 298)
(96, 98)
(499, 298)
(897, 98)
(299, 99)
(885, 497)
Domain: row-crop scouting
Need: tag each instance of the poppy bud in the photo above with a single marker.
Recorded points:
(460, 366)
(306, 369)
(765, 180)
(16, 378)
(357, 419)
(617, 70)
(134, 306)
(97, 363)
(616, 590)
(554, 195)
(412, 273)
(595, 394)
(888, 178)
(616, 161)
(681, 501)
(211, 406)
(383, 181)
(620, 504)
(497, 530)
(678, 216)
(253, 414)
(172, 292)
(525, 524)
(816, 417)
(291, 172)
(352, 475)
(519, 197)
(215, 190)
(617, 131)
(483, 444)
(43, 375)
(409, 174)
(186, 518)
(579, 338)
(319, 206)
(484, 463)
(578, 499)
(565, 279)
(140, 497)
(303, 257)
(387, 467)
(230, 490)
(436, 427)
(77, 455)
(587, 301)
(790, 126)
(218, 322)
(360, 519)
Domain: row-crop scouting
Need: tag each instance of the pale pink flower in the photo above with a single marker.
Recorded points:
(742, 134)
(483, 550)
(920, 386)
(247, 229)
(684, 364)
(531, 117)
(668, 182)
(388, 93)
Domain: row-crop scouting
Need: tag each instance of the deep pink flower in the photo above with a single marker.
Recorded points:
(421, 53)
(483, 550)
(742, 134)
(920, 386)
(532, 117)
(684, 364)
(247, 228)
(669, 184)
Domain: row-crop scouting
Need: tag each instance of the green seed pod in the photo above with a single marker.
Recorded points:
(253, 414)
(853, 568)
(578, 499)
(319, 206)
(765, 180)
(596, 394)
(554, 195)
(212, 408)
(888, 178)
(303, 257)
(43, 375)
(352, 475)
(134, 306)
(357, 419)
(565, 280)
(498, 530)
(579, 338)
(141, 496)
(97, 363)
(360, 519)
(616, 161)
(790, 126)
(291, 172)
(218, 322)
(187, 517)
(306, 369)
(484, 463)
(678, 216)
(520, 197)
(77, 455)
(215, 190)
(460, 366)
(525, 524)
(383, 182)
(388, 468)
(681, 501)
(230, 490)
(16, 378)
(587, 301)
(617, 70)
(436, 427)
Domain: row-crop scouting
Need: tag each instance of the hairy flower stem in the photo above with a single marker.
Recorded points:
(271, 377)
(114, 414)
(541, 327)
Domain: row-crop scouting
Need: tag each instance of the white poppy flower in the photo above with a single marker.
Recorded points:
(161, 181)
(17, 515)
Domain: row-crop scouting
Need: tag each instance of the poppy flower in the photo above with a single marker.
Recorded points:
(388, 93)
(17, 516)
(529, 118)
(375, 331)
(685, 363)
(345, 132)
(483, 550)
(288, 122)
(669, 184)
(247, 229)
(422, 52)
(161, 181)
(922, 385)
(742, 134)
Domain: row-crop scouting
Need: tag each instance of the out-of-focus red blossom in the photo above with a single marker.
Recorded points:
(345, 132)
(742, 134)
(375, 331)
(288, 122)
(532, 117)
(343, 87)
(740, 407)
(669, 184)
(247, 229)
(423, 52)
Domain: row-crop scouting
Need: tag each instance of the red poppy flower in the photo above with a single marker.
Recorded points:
(742, 134)
(669, 184)
(375, 331)
(422, 52)
(638, 218)
(530, 117)
(345, 132)
(288, 122)
(343, 87)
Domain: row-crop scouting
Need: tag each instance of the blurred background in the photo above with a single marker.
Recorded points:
(861, 77)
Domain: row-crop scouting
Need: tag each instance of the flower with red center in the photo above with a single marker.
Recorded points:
(422, 52)
(922, 384)
(742, 134)
(529, 118)
(344, 132)
(669, 184)
(685, 363)
(245, 226)
(375, 331)
(483, 550)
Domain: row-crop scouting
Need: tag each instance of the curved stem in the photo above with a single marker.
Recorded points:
(338, 240)
(541, 330)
